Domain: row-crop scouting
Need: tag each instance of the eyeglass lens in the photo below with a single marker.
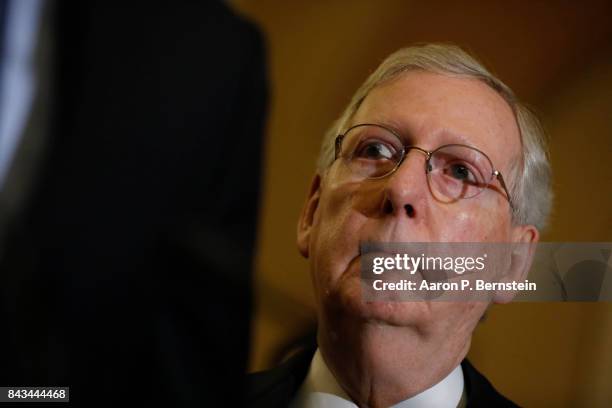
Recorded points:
(453, 171)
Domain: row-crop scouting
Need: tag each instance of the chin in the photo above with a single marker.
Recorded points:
(347, 302)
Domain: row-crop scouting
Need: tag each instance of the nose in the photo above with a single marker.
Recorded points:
(406, 189)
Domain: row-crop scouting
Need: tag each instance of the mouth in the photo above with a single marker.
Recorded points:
(402, 258)
(394, 260)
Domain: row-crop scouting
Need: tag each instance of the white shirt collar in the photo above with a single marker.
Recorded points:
(321, 390)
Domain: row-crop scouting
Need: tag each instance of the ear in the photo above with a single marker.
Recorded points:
(307, 215)
(523, 246)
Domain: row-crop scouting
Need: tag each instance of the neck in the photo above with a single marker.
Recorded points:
(383, 365)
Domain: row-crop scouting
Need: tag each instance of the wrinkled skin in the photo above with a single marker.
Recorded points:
(384, 352)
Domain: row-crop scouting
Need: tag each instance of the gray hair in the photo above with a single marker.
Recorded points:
(530, 178)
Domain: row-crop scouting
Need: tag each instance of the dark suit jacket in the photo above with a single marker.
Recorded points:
(126, 274)
(278, 387)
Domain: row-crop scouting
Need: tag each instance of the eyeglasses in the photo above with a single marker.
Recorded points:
(454, 171)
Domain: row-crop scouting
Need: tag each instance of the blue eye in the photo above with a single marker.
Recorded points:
(460, 172)
(375, 150)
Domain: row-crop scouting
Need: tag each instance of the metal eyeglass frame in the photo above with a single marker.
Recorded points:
(496, 174)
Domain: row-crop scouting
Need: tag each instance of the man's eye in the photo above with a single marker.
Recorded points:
(460, 172)
(375, 151)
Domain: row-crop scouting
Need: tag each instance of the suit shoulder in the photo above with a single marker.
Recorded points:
(277, 387)
(480, 391)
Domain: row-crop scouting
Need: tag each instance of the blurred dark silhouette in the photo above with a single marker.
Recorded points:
(129, 216)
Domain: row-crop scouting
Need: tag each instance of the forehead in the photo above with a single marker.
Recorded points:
(430, 109)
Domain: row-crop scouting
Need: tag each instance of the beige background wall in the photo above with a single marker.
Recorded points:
(556, 55)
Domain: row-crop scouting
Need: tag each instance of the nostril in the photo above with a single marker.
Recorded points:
(409, 210)
(388, 207)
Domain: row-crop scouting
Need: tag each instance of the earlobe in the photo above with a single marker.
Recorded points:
(307, 216)
(523, 246)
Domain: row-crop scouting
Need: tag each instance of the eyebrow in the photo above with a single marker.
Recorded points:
(454, 137)
(447, 135)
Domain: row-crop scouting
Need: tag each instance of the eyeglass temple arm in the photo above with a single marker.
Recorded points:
(337, 145)
(499, 177)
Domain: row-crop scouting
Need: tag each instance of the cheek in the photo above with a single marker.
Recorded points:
(345, 208)
(336, 231)
(469, 224)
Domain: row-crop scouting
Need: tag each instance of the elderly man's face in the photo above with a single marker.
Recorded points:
(428, 110)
